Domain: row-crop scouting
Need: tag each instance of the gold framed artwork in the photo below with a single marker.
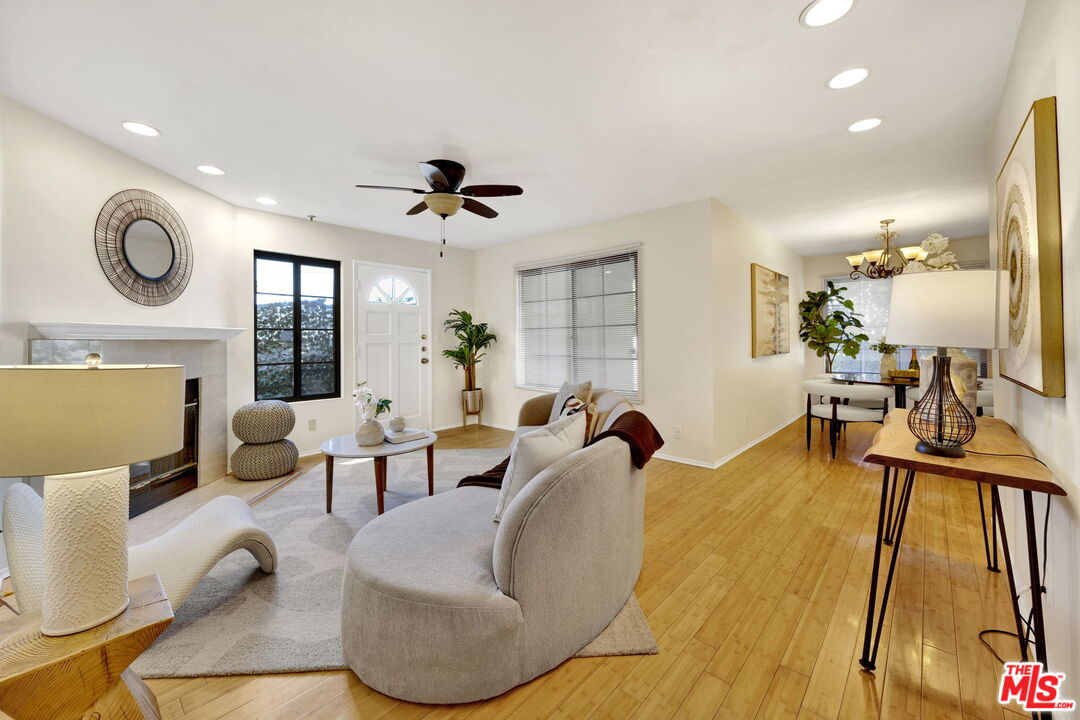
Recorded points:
(769, 312)
(1028, 229)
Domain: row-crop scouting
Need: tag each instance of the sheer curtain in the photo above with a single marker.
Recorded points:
(871, 300)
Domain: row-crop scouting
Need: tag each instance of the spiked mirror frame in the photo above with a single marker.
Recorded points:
(120, 211)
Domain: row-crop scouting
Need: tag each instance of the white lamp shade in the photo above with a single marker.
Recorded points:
(958, 308)
(69, 418)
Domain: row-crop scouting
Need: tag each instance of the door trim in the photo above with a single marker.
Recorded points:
(357, 302)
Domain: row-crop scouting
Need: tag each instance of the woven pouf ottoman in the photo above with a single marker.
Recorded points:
(262, 427)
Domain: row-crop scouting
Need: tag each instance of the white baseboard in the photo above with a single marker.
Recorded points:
(731, 455)
(455, 427)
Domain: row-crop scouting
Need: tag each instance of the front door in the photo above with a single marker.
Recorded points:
(393, 338)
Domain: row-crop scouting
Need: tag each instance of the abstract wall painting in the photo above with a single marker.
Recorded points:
(1028, 230)
(769, 312)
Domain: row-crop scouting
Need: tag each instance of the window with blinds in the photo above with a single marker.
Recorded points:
(577, 321)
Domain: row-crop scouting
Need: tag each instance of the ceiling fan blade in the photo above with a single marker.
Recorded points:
(479, 208)
(491, 190)
(443, 175)
(417, 208)
(391, 187)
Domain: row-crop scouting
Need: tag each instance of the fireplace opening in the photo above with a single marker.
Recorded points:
(157, 481)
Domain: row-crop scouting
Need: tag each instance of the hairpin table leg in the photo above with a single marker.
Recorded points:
(991, 559)
(872, 638)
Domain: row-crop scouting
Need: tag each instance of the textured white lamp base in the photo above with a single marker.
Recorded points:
(86, 553)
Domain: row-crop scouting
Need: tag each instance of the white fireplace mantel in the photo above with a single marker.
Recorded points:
(116, 331)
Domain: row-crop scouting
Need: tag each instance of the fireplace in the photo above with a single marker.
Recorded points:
(154, 482)
(202, 352)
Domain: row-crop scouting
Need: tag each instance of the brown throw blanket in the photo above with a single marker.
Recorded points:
(632, 427)
(637, 431)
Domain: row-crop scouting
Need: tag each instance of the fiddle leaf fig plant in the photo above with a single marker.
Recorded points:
(473, 338)
(830, 332)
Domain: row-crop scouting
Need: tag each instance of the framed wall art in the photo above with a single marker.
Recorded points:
(1028, 230)
(769, 315)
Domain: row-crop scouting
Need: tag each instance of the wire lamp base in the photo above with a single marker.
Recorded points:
(940, 420)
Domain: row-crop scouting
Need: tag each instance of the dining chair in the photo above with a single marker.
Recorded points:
(831, 401)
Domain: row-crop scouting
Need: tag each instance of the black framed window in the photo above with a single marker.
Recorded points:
(297, 327)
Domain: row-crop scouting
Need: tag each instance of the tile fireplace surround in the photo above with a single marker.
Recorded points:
(204, 359)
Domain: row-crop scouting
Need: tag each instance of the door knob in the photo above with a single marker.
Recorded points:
(423, 337)
(423, 361)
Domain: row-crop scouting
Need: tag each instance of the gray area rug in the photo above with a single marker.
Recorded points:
(239, 621)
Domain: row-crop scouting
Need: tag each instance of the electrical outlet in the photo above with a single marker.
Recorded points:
(311, 424)
(678, 432)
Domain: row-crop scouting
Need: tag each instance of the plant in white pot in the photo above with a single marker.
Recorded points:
(473, 338)
(888, 356)
(369, 431)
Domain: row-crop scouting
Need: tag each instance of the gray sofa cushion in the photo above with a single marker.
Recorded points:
(422, 618)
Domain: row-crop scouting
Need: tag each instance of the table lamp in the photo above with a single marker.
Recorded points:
(81, 426)
(958, 308)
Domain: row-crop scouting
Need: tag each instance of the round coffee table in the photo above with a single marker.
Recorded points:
(345, 446)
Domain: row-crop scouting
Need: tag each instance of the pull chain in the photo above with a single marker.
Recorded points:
(443, 221)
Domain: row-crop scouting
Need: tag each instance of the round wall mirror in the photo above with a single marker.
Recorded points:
(143, 247)
(148, 249)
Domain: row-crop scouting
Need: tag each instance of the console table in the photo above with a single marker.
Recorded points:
(85, 674)
(1006, 461)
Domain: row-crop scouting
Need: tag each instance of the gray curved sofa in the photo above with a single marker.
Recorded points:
(443, 605)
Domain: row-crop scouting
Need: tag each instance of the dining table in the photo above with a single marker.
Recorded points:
(899, 384)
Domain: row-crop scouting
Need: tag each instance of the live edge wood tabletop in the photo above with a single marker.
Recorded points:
(894, 446)
(85, 675)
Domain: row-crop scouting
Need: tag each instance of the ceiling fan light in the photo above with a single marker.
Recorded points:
(443, 204)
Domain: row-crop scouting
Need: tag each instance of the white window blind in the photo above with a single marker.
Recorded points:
(578, 320)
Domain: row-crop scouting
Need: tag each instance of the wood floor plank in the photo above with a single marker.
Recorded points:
(755, 582)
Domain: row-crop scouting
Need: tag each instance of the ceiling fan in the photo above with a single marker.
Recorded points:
(446, 195)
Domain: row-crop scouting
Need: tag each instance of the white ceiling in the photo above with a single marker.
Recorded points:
(598, 109)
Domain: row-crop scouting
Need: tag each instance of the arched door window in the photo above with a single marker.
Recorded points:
(392, 290)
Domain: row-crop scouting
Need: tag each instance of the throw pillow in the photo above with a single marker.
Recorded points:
(582, 391)
(576, 405)
(535, 450)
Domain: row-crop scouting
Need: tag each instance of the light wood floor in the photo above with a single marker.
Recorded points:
(755, 582)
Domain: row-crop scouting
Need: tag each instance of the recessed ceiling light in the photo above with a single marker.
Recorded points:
(823, 12)
(848, 78)
(266, 200)
(864, 125)
(140, 128)
(211, 170)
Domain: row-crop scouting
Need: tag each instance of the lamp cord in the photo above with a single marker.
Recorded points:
(1042, 588)
(1019, 455)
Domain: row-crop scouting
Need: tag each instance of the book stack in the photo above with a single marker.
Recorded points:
(406, 435)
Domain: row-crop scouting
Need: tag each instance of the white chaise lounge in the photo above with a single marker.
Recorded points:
(180, 557)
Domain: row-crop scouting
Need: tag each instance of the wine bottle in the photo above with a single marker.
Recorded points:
(914, 364)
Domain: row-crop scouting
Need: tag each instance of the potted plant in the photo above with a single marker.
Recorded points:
(888, 356)
(473, 338)
(828, 333)
(369, 431)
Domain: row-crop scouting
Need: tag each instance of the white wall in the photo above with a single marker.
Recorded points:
(1046, 61)
(697, 372)
(676, 358)
(753, 397)
(54, 181)
(451, 285)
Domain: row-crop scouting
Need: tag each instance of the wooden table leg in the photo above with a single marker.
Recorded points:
(380, 481)
(329, 481)
(430, 469)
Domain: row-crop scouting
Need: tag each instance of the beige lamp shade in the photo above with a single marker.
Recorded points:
(958, 308)
(58, 419)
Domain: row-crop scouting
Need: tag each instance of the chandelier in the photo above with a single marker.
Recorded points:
(887, 261)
